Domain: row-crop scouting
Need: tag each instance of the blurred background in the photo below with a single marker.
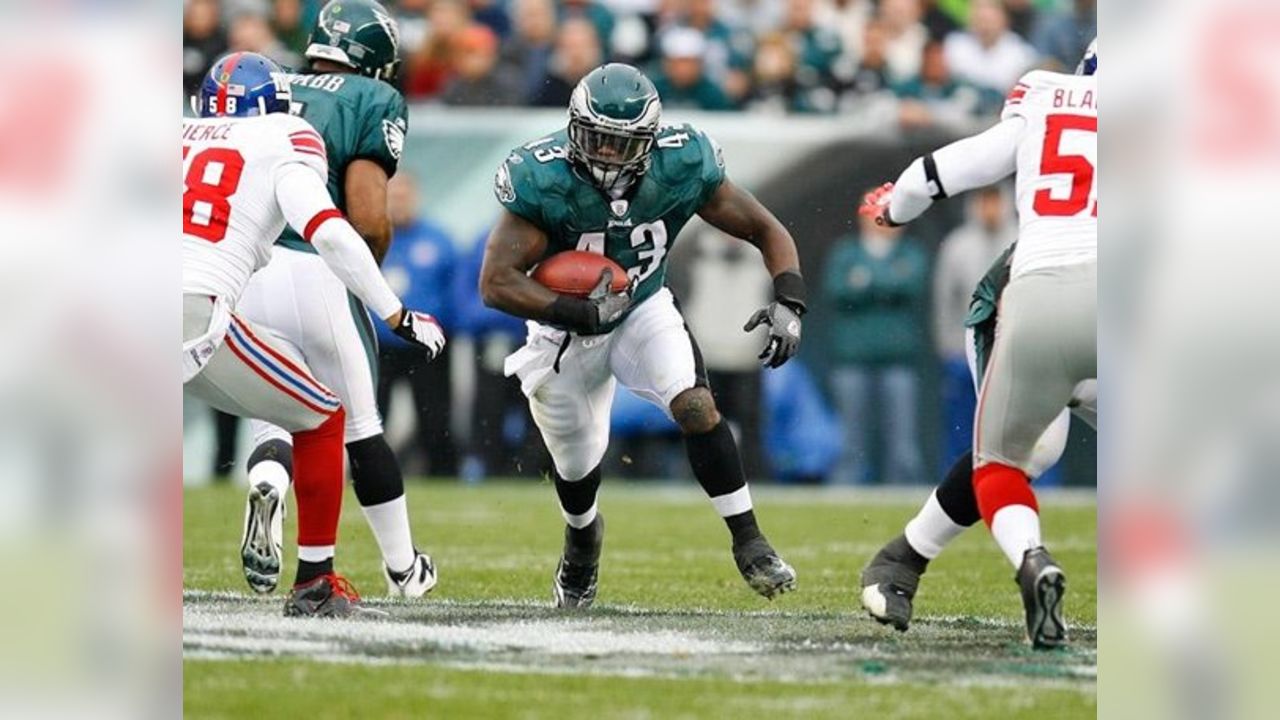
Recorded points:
(814, 102)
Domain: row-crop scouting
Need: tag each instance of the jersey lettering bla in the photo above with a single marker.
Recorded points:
(538, 183)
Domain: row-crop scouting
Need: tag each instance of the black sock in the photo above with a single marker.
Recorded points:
(956, 495)
(578, 496)
(308, 571)
(718, 467)
(375, 474)
(275, 451)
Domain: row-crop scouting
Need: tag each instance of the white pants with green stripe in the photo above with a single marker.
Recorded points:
(304, 306)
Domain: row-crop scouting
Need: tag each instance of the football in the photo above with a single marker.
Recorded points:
(576, 272)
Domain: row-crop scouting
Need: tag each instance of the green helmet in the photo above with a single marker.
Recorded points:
(360, 34)
(613, 119)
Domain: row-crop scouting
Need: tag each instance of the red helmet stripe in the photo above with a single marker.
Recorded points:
(228, 67)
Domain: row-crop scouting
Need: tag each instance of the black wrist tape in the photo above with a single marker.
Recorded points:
(572, 313)
(789, 289)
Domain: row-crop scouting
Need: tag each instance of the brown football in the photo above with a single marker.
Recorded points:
(576, 272)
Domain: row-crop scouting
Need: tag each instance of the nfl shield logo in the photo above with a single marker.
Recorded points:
(619, 207)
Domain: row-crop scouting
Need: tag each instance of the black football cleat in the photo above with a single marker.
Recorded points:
(574, 584)
(1043, 585)
(762, 568)
(328, 596)
(890, 582)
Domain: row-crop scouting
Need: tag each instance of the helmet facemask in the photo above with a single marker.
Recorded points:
(615, 157)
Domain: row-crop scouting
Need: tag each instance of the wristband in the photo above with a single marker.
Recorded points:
(572, 313)
(789, 289)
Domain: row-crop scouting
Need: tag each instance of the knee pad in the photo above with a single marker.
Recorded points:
(375, 473)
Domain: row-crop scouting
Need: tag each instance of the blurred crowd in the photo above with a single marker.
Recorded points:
(945, 60)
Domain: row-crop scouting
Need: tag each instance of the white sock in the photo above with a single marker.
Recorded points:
(577, 522)
(390, 524)
(270, 471)
(931, 529)
(315, 553)
(734, 503)
(1016, 529)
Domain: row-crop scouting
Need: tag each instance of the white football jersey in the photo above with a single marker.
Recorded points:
(1057, 169)
(230, 212)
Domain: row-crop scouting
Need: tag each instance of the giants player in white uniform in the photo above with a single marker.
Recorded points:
(1045, 348)
(248, 168)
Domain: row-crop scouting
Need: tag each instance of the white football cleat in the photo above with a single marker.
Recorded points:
(415, 582)
(260, 545)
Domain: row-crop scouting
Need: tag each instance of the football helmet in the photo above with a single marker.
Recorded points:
(359, 34)
(1089, 63)
(243, 84)
(613, 120)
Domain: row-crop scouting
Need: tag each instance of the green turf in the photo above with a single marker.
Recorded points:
(667, 573)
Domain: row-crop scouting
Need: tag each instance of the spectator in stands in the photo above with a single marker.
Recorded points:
(411, 17)
(774, 85)
(729, 49)
(963, 258)
(203, 41)
(528, 50)
(1062, 35)
(988, 54)
(848, 18)
(292, 21)
(875, 286)
(577, 53)
(594, 12)
(251, 32)
(681, 80)
(906, 37)
(493, 15)
(872, 73)
(420, 267)
(939, 23)
(503, 440)
(934, 98)
(816, 47)
(478, 79)
(429, 67)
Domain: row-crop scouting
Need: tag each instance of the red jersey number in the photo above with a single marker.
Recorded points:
(1077, 166)
(212, 198)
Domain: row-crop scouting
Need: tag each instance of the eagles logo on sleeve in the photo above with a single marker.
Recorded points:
(502, 186)
(393, 132)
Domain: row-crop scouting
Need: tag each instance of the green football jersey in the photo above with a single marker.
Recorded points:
(984, 304)
(538, 183)
(359, 118)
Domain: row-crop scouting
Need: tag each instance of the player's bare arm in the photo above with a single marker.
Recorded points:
(365, 185)
(737, 212)
(514, 246)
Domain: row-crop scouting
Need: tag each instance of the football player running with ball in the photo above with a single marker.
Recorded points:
(249, 168)
(617, 183)
(346, 95)
(1045, 350)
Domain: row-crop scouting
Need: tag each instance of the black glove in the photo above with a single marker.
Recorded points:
(421, 329)
(784, 333)
(601, 307)
(783, 317)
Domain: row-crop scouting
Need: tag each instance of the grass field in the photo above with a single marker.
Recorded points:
(675, 632)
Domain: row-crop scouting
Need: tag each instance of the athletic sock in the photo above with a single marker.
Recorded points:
(931, 529)
(578, 503)
(716, 464)
(379, 487)
(390, 524)
(1008, 505)
(955, 494)
(309, 570)
(272, 463)
(317, 457)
